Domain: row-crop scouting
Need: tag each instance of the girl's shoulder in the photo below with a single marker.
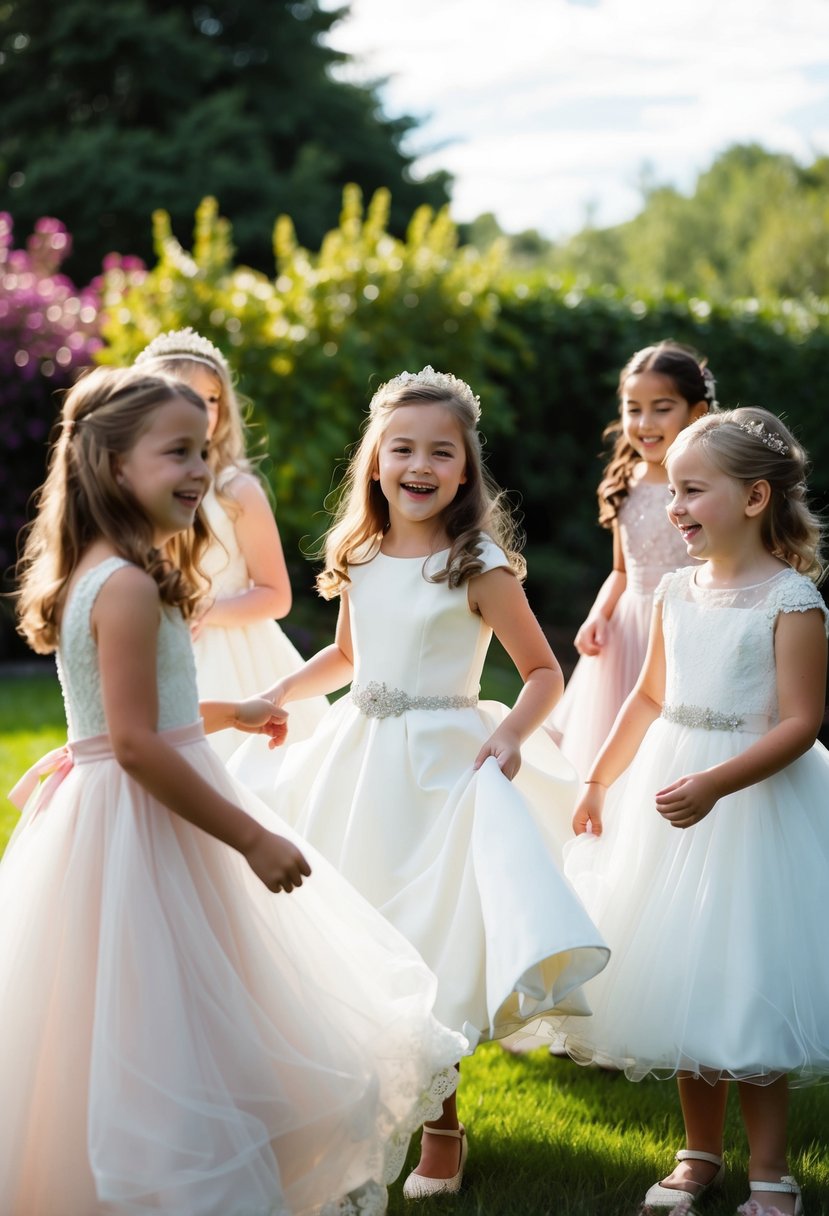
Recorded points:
(491, 555)
(235, 482)
(674, 583)
(793, 592)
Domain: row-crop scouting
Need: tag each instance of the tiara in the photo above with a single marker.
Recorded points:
(710, 386)
(184, 342)
(768, 438)
(443, 380)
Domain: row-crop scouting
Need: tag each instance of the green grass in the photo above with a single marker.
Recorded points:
(546, 1138)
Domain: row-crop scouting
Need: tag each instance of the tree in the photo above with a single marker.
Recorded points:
(111, 112)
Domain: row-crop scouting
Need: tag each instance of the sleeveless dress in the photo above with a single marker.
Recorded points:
(176, 1038)
(718, 931)
(237, 662)
(600, 683)
(461, 862)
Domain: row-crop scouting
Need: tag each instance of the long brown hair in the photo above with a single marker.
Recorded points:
(362, 513)
(103, 416)
(692, 381)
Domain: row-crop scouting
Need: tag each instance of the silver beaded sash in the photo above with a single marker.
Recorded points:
(379, 701)
(713, 719)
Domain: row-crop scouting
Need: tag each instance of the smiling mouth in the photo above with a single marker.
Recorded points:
(189, 499)
(689, 531)
(419, 488)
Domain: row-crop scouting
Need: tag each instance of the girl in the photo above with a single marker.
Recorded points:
(708, 873)
(238, 644)
(174, 1038)
(662, 389)
(407, 785)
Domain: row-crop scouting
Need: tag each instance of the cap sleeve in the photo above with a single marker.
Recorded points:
(797, 593)
(491, 555)
(669, 582)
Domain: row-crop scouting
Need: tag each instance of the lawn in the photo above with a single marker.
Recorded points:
(546, 1137)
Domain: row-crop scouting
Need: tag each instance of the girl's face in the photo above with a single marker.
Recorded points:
(209, 388)
(421, 462)
(165, 470)
(708, 506)
(653, 414)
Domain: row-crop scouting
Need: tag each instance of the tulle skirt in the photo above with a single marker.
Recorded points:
(581, 721)
(240, 662)
(717, 932)
(176, 1038)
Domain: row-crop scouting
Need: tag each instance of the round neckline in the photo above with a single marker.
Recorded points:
(747, 587)
(420, 557)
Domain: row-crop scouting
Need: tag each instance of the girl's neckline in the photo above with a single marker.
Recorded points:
(419, 557)
(747, 587)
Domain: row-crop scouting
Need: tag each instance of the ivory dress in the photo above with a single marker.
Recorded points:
(718, 931)
(463, 863)
(600, 683)
(242, 661)
(177, 1039)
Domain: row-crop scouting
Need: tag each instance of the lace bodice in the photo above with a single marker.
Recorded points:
(223, 562)
(719, 644)
(79, 674)
(414, 635)
(650, 544)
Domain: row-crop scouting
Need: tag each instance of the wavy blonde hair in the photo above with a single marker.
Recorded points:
(754, 445)
(693, 383)
(104, 414)
(362, 514)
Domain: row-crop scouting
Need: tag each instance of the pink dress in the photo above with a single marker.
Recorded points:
(600, 683)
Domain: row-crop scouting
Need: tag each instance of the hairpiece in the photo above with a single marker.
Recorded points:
(186, 343)
(443, 380)
(67, 425)
(710, 386)
(768, 438)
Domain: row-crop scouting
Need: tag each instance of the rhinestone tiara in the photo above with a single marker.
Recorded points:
(710, 386)
(768, 438)
(442, 380)
(187, 343)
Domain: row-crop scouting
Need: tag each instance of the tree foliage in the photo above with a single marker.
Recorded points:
(111, 112)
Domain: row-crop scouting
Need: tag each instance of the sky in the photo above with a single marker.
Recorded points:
(548, 112)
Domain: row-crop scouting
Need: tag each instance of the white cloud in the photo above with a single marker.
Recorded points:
(539, 107)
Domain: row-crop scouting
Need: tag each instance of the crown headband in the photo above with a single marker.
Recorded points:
(184, 343)
(445, 381)
(710, 386)
(769, 439)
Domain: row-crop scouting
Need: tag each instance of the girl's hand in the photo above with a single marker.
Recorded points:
(505, 746)
(276, 861)
(592, 634)
(256, 715)
(688, 800)
(588, 812)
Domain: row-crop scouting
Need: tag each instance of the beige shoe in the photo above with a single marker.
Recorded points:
(786, 1186)
(660, 1196)
(417, 1186)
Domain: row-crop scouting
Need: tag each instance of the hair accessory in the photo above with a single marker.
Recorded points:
(67, 425)
(710, 386)
(442, 380)
(768, 438)
(187, 343)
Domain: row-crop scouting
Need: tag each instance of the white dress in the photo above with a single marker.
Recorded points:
(718, 931)
(237, 662)
(462, 863)
(176, 1038)
(600, 683)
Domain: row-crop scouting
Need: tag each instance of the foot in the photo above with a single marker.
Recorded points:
(775, 1198)
(695, 1173)
(440, 1156)
(693, 1176)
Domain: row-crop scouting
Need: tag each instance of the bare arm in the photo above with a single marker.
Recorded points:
(125, 623)
(328, 670)
(591, 635)
(499, 598)
(800, 661)
(269, 596)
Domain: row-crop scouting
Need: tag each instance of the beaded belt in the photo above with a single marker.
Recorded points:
(379, 701)
(712, 719)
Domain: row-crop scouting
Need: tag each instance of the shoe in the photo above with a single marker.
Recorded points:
(417, 1186)
(660, 1196)
(786, 1186)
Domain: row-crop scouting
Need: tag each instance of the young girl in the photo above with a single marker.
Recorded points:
(410, 786)
(662, 389)
(714, 848)
(175, 1039)
(238, 644)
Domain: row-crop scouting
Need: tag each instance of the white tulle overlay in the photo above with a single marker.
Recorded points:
(463, 863)
(600, 683)
(176, 1038)
(717, 931)
(244, 660)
